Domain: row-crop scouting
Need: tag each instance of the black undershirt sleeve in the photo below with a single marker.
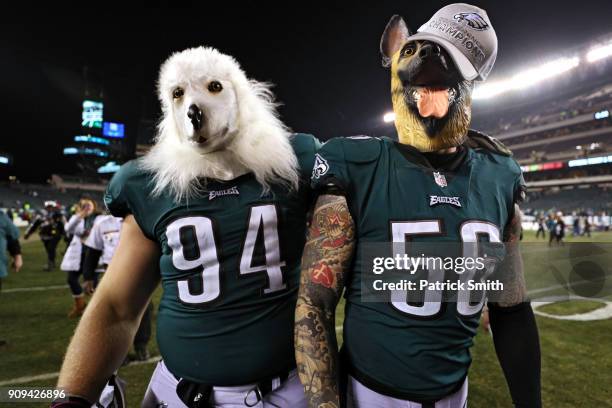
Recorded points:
(13, 246)
(332, 189)
(515, 335)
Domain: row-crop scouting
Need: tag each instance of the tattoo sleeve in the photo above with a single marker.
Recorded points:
(326, 259)
(511, 268)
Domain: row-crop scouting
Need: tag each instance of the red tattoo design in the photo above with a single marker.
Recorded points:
(335, 243)
(334, 225)
(323, 275)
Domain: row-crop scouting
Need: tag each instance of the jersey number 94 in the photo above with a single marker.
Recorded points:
(202, 229)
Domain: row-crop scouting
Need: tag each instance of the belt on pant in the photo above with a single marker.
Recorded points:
(197, 395)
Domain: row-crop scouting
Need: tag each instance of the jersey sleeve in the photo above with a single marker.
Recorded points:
(305, 147)
(12, 234)
(520, 189)
(128, 193)
(116, 196)
(517, 184)
(329, 169)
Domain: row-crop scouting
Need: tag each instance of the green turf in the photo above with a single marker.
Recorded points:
(576, 356)
(550, 270)
(529, 236)
(571, 307)
(37, 330)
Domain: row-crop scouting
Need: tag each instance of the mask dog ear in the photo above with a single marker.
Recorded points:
(395, 35)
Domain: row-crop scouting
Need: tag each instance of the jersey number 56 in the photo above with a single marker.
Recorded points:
(469, 233)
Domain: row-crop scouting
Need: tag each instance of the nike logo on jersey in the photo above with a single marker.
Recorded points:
(219, 193)
(320, 167)
(436, 200)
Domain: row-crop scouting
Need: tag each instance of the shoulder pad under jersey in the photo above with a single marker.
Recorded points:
(360, 149)
(477, 140)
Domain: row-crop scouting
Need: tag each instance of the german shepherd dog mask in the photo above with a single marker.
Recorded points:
(431, 100)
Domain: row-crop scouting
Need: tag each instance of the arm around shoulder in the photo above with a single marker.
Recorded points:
(325, 262)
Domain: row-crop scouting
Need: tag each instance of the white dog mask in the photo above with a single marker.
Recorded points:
(216, 124)
(204, 105)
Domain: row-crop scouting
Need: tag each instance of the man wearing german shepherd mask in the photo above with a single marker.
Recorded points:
(440, 183)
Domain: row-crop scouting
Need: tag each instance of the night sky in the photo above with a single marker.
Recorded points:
(323, 59)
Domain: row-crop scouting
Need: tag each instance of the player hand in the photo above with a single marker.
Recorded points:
(17, 262)
(88, 287)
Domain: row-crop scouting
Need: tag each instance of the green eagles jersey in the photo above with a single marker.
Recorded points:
(407, 351)
(230, 265)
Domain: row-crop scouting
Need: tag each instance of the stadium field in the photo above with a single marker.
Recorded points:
(576, 360)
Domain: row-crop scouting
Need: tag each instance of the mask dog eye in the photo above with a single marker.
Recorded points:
(408, 50)
(215, 86)
(177, 93)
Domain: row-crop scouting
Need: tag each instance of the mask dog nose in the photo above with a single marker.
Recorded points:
(195, 114)
(429, 50)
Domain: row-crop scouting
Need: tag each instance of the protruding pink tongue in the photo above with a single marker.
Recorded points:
(433, 102)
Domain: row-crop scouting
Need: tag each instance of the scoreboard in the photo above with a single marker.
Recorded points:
(92, 114)
(99, 142)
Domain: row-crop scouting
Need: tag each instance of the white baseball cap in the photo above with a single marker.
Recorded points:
(466, 33)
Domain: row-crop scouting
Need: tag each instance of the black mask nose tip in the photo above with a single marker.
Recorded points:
(429, 50)
(195, 114)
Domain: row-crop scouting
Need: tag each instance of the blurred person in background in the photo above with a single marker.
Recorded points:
(50, 225)
(9, 242)
(79, 226)
(541, 227)
(99, 248)
(559, 228)
(606, 221)
(587, 227)
(575, 225)
(550, 225)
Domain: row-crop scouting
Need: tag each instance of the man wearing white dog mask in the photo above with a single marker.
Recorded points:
(216, 211)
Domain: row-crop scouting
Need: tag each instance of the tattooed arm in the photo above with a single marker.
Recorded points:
(515, 333)
(326, 259)
(511, 269)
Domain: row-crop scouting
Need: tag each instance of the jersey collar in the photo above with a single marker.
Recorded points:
(448, 164)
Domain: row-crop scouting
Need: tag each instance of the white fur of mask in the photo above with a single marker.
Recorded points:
(241, 127)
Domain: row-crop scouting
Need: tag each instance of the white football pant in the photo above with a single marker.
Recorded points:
(161, 393)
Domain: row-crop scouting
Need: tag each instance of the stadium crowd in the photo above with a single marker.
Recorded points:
(591, 100)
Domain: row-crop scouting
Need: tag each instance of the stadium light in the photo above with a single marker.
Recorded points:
(602, 114)
(389, 117)
(599, 52)
(527, 78)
